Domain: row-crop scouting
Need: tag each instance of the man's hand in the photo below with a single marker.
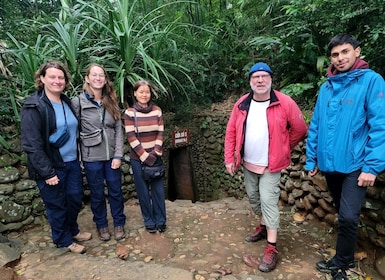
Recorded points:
(313, 172)
(230, 167)
(366, 179)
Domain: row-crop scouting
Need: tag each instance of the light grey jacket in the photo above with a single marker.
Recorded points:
(90, 119)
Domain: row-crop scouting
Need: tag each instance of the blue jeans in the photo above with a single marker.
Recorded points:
(151, 197)
(96, 173)
(63, 203)
(348, 198)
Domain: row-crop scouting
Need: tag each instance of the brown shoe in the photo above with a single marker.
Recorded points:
(269, 260)
(259, 233)
(77, 248)
(119, 233)
(251, 261)
(104, 234)
(82, 236)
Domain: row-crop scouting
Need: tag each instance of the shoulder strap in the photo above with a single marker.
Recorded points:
(80, 114)
(104, 115)
(64, 111)
(80, 129)
(136, 123)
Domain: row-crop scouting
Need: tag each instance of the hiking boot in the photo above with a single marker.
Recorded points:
(259, 233)
(104, 234)
(82, 236)
(77, 248)
(119, 233)
(269, 260)
(340, 274)
(329, 266)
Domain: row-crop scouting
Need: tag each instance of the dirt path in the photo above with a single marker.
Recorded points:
(201, 238)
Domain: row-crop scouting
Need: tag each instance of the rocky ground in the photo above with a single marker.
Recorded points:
(204, 241)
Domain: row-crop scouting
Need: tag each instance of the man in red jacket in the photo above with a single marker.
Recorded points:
(264, 126)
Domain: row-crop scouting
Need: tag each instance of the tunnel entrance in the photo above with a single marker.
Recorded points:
(181, 183)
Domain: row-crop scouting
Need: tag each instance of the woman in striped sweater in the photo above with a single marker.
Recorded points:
(144, 127)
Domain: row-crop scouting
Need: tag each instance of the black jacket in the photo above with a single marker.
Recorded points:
(38, 121)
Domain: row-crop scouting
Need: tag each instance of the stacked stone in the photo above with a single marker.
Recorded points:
(310, 197)
(20, 203)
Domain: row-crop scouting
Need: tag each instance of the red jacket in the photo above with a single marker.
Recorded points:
(286, 128)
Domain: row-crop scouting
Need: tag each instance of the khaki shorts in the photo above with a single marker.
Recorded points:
(264, 192)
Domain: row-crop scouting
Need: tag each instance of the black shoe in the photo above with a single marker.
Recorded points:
(329, 266)
(162, 228)
(151, 229)
(340, 275)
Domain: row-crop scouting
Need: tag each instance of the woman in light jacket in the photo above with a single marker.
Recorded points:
(101, 145)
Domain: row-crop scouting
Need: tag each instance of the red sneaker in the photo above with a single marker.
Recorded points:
(269, 260)
(259, 233)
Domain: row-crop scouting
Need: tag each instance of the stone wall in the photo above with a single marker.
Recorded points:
(20, 203)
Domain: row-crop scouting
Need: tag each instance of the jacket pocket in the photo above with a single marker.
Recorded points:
(91, 139)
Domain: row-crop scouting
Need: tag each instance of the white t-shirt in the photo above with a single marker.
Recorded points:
(256, 147)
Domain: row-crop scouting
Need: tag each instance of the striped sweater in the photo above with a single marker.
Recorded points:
(150, 131)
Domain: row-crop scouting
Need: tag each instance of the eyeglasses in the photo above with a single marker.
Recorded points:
(94, 75)
(263, 77)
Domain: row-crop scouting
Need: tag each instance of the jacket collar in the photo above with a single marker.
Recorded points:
(245, 104)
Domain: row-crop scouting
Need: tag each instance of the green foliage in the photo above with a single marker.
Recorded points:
(302, 30)
(204, 124)
(25, 60)
(138, 43)
(4, 143)
(300, 91)
(196, 52)
(14, 14)
(66, 35)
(17, 79)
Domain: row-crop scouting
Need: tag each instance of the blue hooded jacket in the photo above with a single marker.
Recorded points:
(347, 130)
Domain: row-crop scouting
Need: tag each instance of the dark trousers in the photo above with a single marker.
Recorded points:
(96, 173)
(63, 203)
(151, 197)
(348, 198)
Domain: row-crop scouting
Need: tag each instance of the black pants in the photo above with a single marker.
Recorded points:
(348, 198)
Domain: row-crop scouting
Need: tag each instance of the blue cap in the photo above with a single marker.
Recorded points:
(260, 66)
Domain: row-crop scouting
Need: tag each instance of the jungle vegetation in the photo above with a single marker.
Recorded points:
(196, 52)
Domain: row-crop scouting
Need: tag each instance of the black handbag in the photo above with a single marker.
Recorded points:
(153, 172)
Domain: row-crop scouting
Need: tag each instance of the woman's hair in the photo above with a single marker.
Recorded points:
(43, 70)
(110, 99)
(341, 39)
(144, 83)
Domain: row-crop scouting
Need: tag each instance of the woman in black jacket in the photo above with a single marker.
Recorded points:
(48, 134)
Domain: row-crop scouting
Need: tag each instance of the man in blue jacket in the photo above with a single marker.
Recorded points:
(346, 141)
